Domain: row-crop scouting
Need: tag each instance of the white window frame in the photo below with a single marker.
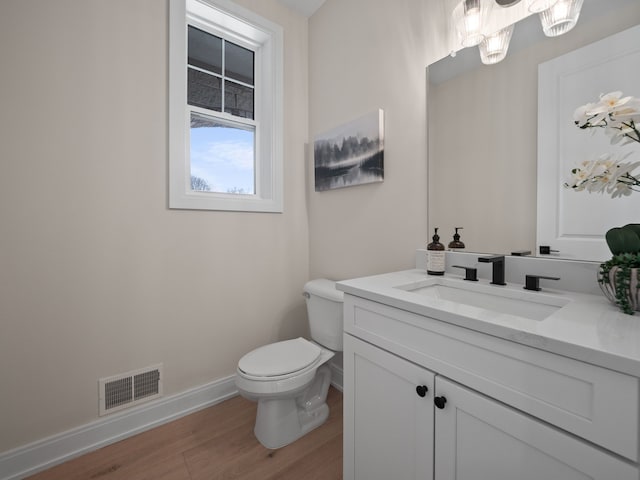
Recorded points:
(243, 27)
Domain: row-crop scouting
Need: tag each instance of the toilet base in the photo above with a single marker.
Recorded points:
(281, 421)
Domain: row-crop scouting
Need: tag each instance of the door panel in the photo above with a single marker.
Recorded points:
(480, 439)
(392, 436)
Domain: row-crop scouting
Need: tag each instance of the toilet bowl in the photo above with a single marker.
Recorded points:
(290, 379)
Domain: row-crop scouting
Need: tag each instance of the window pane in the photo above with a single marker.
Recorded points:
(204, 90)
(238, 100)
(205, 50)
(222, 156)
(238, 63)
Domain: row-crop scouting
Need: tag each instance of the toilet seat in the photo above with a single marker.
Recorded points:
(280, 359)
(300, 369)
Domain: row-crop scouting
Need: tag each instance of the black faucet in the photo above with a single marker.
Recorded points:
(498, 268)
(532, 282)
(470, 273)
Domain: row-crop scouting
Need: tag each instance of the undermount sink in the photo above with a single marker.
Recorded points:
(501, 300)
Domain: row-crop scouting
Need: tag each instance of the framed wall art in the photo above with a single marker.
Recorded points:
(351, 154)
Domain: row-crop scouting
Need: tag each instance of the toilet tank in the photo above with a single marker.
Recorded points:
(324, 308)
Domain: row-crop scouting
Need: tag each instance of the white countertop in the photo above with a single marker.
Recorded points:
(588, 328)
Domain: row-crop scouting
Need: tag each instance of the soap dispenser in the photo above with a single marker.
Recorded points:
(456, 243)
(435, 256)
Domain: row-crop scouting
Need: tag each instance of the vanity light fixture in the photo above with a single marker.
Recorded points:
(537, 6)
(557, 17)
(494, 47)
(561, 17)
(469, 20)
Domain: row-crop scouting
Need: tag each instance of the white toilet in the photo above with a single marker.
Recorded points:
(289, 379)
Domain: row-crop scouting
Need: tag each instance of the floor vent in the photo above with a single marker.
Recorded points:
(129, 389)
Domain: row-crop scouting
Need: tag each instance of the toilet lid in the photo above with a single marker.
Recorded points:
(279, 358)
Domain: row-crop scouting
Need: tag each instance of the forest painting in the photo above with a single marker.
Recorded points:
(352, 154)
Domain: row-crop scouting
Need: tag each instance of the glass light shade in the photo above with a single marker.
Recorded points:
(468, 18)
(537, 6)
(494, 47)
(560, 18)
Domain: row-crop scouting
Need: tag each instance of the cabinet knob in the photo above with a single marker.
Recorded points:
(440, 401)
(422, 390)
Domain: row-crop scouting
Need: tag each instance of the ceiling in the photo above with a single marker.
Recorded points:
(305, 7)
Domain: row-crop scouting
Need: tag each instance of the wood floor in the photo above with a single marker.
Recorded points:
(216, 443)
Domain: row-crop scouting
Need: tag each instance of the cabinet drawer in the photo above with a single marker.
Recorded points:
(589, 401)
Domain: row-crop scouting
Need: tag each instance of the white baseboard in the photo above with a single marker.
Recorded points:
(35, 457)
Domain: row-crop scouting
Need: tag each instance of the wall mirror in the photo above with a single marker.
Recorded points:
(483, 137)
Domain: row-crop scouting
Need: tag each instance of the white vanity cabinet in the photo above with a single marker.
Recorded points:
(390, 406)
(478, 438)
(509, 411)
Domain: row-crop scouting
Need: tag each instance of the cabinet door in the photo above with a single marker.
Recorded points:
(477, 438)
(388, 421)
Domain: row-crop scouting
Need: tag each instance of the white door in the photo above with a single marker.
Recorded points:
(388, 415)
(574, 223)
(477, 438)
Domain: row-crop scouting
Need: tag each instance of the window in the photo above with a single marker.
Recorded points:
(225, 108)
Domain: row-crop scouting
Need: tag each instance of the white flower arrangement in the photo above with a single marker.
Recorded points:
(620, 118)
(608, 173)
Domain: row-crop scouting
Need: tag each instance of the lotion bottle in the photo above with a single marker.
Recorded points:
(435, 256)
(456, 243)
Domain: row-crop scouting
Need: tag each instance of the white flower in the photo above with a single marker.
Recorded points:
(629, 111)
(610, 104)
(620, 118)
(616, 113)
(613, 101)
(582, 114)
(623, 134)
(620, 190)
(604, 174)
